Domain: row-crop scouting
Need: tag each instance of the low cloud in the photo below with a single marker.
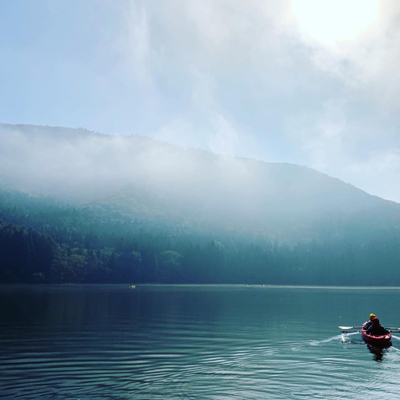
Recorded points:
(85, 165)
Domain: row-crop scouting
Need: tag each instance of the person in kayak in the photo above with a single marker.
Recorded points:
(376, 329)
(369, 323)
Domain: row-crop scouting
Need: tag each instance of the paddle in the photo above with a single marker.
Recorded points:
(346, 329)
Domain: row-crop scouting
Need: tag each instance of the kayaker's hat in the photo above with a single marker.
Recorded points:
(371, 316)
(375, 321)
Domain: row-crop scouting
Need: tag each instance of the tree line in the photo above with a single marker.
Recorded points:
(42, 241)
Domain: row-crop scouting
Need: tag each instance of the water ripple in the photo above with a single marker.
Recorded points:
(185, 351)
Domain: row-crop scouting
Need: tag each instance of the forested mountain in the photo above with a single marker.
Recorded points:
(78, 206)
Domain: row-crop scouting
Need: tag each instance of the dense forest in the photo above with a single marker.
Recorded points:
(43, 240)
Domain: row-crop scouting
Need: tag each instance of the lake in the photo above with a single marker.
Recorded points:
(193, 342)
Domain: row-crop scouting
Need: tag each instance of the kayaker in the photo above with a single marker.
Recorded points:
(376, 329)
(369, 323)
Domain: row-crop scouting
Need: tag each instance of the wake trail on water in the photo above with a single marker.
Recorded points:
(331, 339)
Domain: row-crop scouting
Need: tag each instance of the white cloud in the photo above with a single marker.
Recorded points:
(321, 137)
(224, 138)
(366, 63)
(196, 53)
(178, 131)
(135, 43)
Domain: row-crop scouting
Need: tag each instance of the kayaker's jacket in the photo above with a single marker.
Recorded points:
(377, 330)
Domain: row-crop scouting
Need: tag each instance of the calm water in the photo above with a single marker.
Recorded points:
(193, 342)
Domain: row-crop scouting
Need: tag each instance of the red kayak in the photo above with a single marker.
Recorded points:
(383, 340)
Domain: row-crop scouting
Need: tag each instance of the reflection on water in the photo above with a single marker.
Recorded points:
(214, 342)
(378, 352)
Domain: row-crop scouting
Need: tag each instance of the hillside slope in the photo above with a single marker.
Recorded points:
(152, 179)
(77, 206)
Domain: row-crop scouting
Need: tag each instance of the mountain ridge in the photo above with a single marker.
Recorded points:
(155, 178)
(68, 133)
(100, 208)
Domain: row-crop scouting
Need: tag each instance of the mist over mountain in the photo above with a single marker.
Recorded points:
(152, 178)
(79, 206)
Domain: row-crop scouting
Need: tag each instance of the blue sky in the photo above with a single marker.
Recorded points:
(280, 81)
